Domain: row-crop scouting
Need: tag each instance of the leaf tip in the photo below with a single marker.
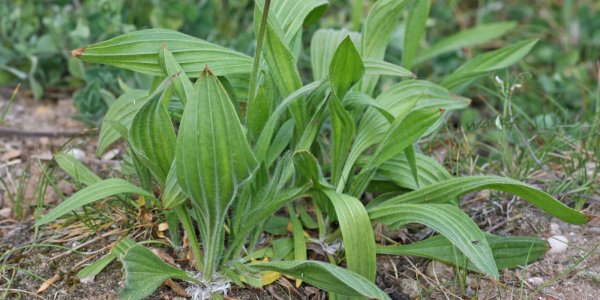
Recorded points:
(77, 52)
(206, 71)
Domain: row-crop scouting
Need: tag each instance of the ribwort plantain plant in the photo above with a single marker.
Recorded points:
(218, 157)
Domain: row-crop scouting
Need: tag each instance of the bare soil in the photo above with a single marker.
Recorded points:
(27, 143)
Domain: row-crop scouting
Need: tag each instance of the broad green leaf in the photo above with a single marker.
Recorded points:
(474, 36)
(307, 165)
(346, 68)
(326, 276)
(449, 221)
(139, 51)
(415, 30)
(145, 272)
(357, 233)
(90, 194)
(173, 195)
(212, 158)
(487, 62)
(181, 82)
(443, 192)
(152, 136)
(96, 267)
(376, 35)
(509, 252)
(355, 99)
(323, 45)
(121, 114)
(76, 169)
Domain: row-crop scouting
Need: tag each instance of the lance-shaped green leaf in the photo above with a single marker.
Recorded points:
(509, 252)
(76, 169)
(354, 99)
(323, 45)
(449, 221)
(376, 34)
(415, 30)
(139, 51)
(90, 194)
(471, 37)
(181, 82)
(282, 66)
(487, 62)
(264, 140)
(326, 276)
(121, 114)
(152, 136)
(145, 272)
(444, 191)
(96, 267)
(402, 134)
(357, 233)
(345, 70)
(212, 158)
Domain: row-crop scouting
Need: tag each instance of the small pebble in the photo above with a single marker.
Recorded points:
(87, 279)
(554, 229)
(76, 153)
(558, 243)
(536, 280)
(409, 287)
(436, 269)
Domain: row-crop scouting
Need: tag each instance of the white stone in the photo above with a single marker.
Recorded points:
(77, 153)
(536, 281)
(558, 243)
(87, 279)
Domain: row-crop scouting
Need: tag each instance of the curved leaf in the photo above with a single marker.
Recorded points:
(444, 191)
(121, 112)
(470, 37)
(449, 221)
(90, 194)
(76, 169)
(509, 252)
(415, 30)
(326, 276)
(488, 62)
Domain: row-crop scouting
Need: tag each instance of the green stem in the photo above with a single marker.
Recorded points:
(188, 227)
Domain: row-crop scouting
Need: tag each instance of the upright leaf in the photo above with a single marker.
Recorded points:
(152, 136)
(120, 114)
(345, 70)
(212, 158)
(415, 30)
